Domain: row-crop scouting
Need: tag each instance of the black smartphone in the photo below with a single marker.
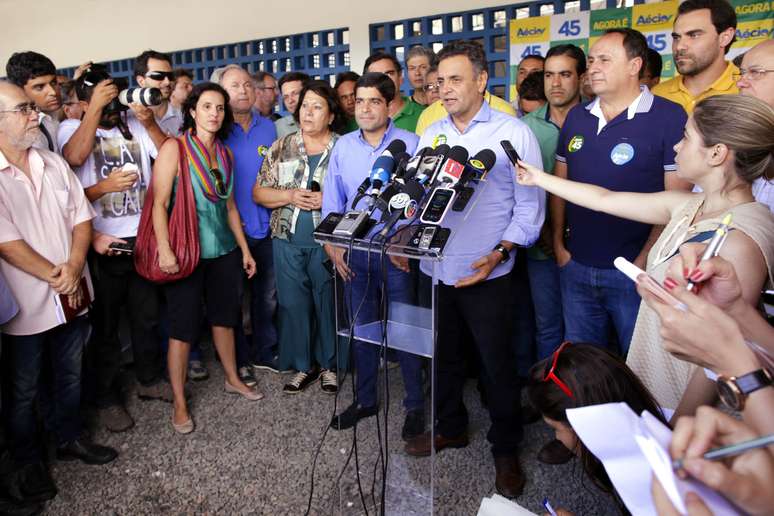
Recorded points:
(513, 156)
(315, 186)
(329, 223)
(121, 249)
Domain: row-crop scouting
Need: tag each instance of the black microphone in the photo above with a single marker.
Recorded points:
(453, 167)
(403, 205)
(413, 164)
(430, 164)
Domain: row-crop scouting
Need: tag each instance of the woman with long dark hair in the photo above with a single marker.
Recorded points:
(580, 375)
(222, 243)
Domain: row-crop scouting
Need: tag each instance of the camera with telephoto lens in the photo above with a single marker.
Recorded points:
(144, 96)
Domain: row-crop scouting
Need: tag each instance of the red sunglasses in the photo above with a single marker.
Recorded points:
(551, 376)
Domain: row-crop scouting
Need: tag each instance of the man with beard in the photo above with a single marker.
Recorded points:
(45, 229)
(154, 70)
(115, 171)
(36, 75)
(704, 30)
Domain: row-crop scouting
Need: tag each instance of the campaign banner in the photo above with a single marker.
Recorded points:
(534, 36)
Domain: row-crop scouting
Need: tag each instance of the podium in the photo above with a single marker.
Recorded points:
(409, 328)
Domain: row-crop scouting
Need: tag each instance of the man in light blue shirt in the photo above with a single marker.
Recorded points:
(350, 163)
(473, 284)
(8, 306)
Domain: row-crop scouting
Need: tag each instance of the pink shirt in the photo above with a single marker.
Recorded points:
(42, 212)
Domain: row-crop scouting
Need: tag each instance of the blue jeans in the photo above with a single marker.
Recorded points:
(399, 289)
(547, 298)
(262, 346)
(592, 298)
(22, 363)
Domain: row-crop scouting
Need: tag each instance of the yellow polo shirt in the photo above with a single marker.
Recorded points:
(674, 90)
(436, 111)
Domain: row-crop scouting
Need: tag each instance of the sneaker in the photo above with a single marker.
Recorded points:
(414, 424)
(300, 381)
(246, 377)
(328, 382)
(116, 418)
(197, 371)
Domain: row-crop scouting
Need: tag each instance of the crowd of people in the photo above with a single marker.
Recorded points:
(226, 193)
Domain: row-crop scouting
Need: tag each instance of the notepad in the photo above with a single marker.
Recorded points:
(497, 505)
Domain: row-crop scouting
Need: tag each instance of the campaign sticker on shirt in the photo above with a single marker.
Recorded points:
(262, 150)
(575, 143)
(440, 139)
(622, 154)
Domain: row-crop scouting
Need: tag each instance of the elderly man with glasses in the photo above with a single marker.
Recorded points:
(266, 94)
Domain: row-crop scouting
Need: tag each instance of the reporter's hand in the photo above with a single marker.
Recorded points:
(337, 256)
(704, 334)
(119, 180)
(527, 175)
(168, 261)
(744, 479)
(103, 93)
(101, 243)
(304, 199)
(716, 276)
(694, 505)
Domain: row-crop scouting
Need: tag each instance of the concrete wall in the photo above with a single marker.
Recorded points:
(74, 31)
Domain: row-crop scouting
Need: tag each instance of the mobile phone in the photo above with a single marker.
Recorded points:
(439, 203)
(315, 186)
(640, 277)
(329, 223)
(120, 248)
(513, 156)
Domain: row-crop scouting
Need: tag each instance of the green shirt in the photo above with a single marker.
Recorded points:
(351, 126)
(547, 134)
(408, 117)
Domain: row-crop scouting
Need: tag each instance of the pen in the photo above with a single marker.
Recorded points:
(548, 507)
(731, 449)
(713, 248)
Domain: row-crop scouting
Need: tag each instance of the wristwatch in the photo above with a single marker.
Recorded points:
(503, 251)
(733, 390)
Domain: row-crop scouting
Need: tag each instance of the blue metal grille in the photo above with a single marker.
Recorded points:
(489, 26)
(321, 54)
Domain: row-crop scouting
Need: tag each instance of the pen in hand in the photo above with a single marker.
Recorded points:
(713, 248)
(731, 449)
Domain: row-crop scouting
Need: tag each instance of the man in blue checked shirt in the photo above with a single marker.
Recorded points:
(350, 163)
(473, 281)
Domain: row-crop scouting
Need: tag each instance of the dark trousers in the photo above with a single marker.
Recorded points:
(22, 362)
(119, 289)
(262, 346)
(484, 310)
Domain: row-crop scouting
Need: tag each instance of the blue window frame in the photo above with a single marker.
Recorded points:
(488, 25)
(321, 54)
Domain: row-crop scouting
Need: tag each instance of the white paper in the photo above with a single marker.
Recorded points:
(500, 506)
(636, 451)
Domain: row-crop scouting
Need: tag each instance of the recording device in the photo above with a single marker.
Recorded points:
(111, 113)
(454, 166)
(329, 223)
(513, 156)
(640, 277)
(315, 186)
(353, 224)
(427, 238)
(430, 163)
(144, 96)
(402, 205)
(439, 203)
(413, 164)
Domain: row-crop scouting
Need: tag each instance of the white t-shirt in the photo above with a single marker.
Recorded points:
(118, 213)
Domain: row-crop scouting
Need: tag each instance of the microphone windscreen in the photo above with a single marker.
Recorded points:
(484, 160)
(458, 154)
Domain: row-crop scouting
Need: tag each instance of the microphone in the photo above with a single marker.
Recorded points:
(454, 166)
(483, 161)
(430, 163)
(384, 166)
(403, 205)
(478, 166)
(413, 163)
(402, 160)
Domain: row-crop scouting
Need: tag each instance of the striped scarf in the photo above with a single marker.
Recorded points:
(202, 166)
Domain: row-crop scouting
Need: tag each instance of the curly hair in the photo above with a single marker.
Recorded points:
(193, 99)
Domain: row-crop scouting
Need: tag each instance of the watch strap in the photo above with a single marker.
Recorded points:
(753, 381)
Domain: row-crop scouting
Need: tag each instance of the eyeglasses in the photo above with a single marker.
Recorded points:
(25, 109)
(754, 74)
(160, 76)
(219, 186)
(430, 87)
(550, 375)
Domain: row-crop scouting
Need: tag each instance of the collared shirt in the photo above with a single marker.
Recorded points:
(285, 126)
(8, 306)
(435, 111)
(172, 120)
(629, 153)
(350, 163)
(408, 117)
(51, 125)
(675, 90)
(286, 167)
(42, 210)
(249, 148)
(118, 213)
(500, 208)
(547, 134)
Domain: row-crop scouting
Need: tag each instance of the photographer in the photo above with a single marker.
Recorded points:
(154, 70)
(111, 155)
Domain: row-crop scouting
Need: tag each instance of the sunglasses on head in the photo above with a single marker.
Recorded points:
(550, 375)
(160, 76)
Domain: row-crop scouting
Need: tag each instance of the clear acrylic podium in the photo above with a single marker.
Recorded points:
(409, 328)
